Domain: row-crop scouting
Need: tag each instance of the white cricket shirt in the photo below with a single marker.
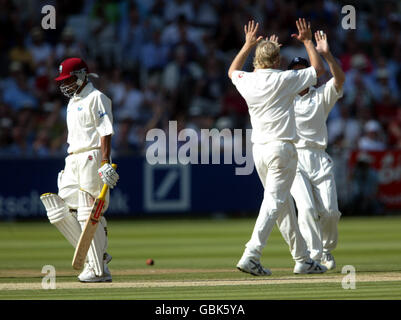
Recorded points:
(311, 111)
(89, 117)
(269, 94)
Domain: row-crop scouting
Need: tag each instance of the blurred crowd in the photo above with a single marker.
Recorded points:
(161, 60)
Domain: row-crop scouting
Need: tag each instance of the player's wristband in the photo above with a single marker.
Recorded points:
(104, 162)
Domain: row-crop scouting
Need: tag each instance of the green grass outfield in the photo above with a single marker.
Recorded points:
(195, 259)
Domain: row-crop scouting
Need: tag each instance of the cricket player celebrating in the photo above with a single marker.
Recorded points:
(314, 188)
(87, 167)
(269, 94)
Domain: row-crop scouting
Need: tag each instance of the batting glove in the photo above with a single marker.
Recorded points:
(108, 175)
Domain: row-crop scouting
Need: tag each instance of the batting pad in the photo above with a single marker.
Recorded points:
(60, 216)
(103, 225)
(99, 242)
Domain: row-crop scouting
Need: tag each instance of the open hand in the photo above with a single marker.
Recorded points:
(322, 46)
(273, 38)
(304, 30)
(250, 34)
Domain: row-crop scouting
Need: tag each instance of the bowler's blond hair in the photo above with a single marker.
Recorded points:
(267, 55)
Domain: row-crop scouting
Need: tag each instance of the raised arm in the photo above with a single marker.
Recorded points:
(251, 40)
(322, 47)
(305, 36)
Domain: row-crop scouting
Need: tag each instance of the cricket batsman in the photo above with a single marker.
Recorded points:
(269, 94)
(314, 188)
(87, 166)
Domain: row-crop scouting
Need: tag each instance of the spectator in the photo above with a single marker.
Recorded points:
(234, 106)
(227, 31)
(156, 12)
(107, 9)
(154, 54)
(16, 91)
(350, 58)
(132, 103)
(20, 146)
(359, 95)
(359, 82)
(54, 125)
(181, 32)
(386, 108)
(156, 108)
(364, 187)
(372, 139)
(102, 44)
(41, 144)
(205, 14)
(395, 65)
(19, 53)
(178, 79)
(132, 38)
(210, 88)
(40, 50)
(394, 130)
(6, 116)
(117, 89)
(176, 8)
(345, 126)
(6, 123)
(126, 140)
(212, 84)
(68, 47)
(383, 86)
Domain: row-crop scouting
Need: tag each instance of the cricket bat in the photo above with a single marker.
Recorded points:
(88, 233)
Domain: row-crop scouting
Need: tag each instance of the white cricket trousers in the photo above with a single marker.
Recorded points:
(276, 164)
(314, 191)
(80, 172)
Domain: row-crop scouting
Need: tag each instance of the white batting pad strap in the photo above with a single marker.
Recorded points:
(55, 207)
(96, 249)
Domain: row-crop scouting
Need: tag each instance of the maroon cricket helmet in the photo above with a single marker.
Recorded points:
(73, 66)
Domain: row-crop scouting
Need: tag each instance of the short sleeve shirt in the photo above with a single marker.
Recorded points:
(89, 117)
(311, 112)
(269, 94)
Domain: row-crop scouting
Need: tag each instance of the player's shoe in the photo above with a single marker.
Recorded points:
(309, 266)
(328, 261)
(252, 266)
(88, 275)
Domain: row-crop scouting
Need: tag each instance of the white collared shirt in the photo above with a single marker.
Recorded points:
(269, 94)
(311, 111)
(89, 117)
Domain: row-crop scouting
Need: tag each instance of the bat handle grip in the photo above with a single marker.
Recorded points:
(105, 186)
